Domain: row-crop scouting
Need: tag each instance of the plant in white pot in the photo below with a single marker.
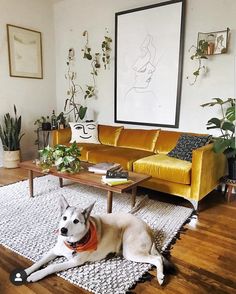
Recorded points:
(10, 134)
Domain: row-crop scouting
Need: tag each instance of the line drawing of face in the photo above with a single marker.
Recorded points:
(86, 130)
(144, 66)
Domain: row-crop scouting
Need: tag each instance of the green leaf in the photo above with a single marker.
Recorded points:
(220, 145)
(228, 126)
(230, 113)
(215, 121)
(82, 112)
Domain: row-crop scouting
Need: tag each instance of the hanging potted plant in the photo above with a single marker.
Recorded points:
(226, 124)
(10, 134)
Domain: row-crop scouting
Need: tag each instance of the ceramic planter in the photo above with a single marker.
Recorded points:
(232, 168)
(11, 159)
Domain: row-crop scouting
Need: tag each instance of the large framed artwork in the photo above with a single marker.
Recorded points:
(25, 52)
(148, 64)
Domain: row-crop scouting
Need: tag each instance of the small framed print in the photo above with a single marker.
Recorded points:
(25, 52)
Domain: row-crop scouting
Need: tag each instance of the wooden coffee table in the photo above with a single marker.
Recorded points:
(87, 178)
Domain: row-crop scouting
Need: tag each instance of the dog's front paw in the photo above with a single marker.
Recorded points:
(34, 277)
(160, 278)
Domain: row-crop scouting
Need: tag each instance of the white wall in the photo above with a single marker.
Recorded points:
(72, 17)
(33, 97)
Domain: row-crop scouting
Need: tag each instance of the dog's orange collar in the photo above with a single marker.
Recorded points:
(87, 243)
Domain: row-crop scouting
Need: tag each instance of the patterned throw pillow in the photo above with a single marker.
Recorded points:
(186, 144)
(84, 132)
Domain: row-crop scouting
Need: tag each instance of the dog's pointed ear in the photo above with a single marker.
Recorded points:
(86, 212)
(63, 204)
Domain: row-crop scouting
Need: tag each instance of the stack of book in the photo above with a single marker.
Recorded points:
(103, 167)
(113, 178)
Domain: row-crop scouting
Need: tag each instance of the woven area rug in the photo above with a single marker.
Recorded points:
(27, 227)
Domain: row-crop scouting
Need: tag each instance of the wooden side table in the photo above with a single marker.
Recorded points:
(229, 185)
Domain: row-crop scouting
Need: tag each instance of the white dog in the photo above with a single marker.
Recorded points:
(83, 238)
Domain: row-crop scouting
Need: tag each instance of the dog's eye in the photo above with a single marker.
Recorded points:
(64, 218)
(76, 221)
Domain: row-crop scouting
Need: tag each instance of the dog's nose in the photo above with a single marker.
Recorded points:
(64, 231)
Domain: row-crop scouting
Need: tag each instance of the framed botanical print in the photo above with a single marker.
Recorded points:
(148, 64)
(25, 52)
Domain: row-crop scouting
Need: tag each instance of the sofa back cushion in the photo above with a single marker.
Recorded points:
(108, 135)
(166, 141)
(138, 139)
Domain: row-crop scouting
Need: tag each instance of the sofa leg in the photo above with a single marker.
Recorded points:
(194, 204)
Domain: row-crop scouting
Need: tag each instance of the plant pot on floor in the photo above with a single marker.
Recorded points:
(232, 168)
(11, 159)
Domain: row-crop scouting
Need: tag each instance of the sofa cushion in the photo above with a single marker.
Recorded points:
(164, 167)
(108, 135)
(124, 156)
(84, 132)
(186, 144)
(166, 141)
(87, 147)
(138, 139)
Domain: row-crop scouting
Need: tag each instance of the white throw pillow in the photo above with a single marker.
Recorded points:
(84, 132)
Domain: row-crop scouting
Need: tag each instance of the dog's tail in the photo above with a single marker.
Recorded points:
(139, 204)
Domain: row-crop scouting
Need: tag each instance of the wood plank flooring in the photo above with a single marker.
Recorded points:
(205, 255)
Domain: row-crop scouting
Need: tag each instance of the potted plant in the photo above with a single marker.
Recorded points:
(10, 134)
(44, 123)
(226, 124)
(65, 158)
(61, 120)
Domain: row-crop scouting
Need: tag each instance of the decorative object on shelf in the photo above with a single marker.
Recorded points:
(73, 105)
(43, 131)
(226, 124)
(149, 52)
(211, 43)
(61, 121)
(66, 159)
(53, 120)
(43, 123)
(217, 42)
(25, 52)
(10, 134)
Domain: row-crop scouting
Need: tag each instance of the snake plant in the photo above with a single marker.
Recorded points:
(10, 132)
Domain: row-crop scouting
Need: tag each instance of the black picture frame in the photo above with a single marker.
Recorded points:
(149, 43)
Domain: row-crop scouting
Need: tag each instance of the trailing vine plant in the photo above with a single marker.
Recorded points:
(72, 105)
(106, 50)
(199, 54)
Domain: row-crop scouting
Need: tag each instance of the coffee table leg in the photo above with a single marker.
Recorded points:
(134, 191)
(61, 182)
(109, 201)
(31, 185)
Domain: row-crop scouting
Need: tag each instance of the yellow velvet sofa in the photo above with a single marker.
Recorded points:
(145, 151)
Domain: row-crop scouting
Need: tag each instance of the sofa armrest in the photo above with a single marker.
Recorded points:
(207, 168)
(62, 136)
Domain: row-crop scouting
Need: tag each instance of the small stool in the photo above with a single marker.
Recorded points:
(229, 185)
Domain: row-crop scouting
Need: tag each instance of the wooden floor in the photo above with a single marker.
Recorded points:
(205, 255)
